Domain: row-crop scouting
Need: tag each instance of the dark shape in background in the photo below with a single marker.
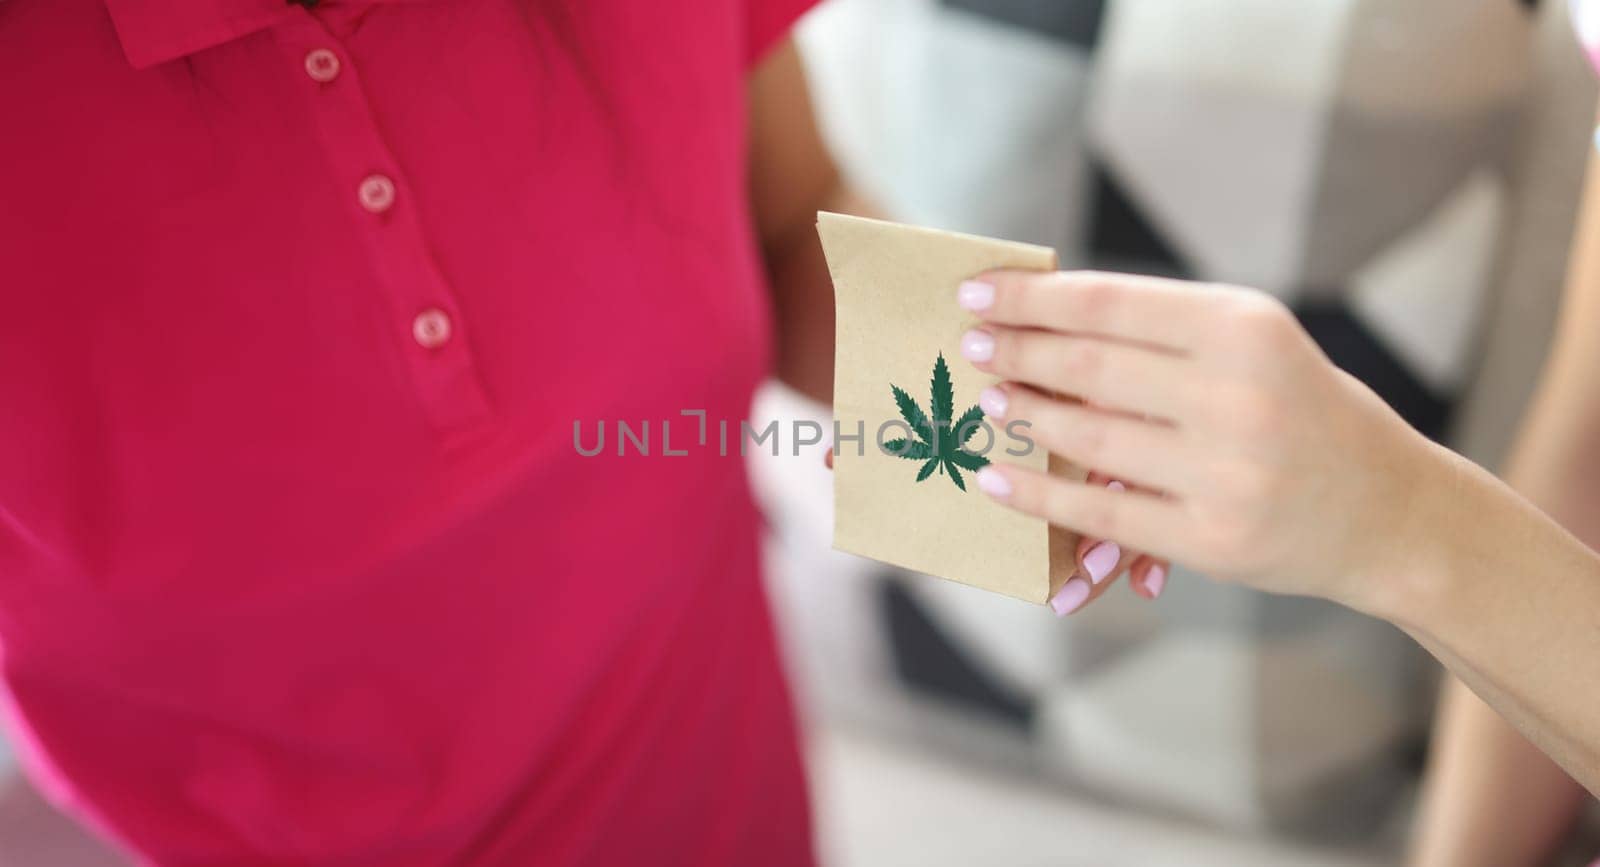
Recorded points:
(928, 661)
(1075, 22)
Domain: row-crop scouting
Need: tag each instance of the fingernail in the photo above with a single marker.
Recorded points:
(991, 482)
(1101, 559)
(977, 346)
(1115, 485)
(993, 402)
(1070, 598)
(1155, 580)
(975, 295)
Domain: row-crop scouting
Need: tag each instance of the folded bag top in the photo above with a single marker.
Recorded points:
(909, 435)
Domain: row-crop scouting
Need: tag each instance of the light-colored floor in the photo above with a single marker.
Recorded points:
(882, 805)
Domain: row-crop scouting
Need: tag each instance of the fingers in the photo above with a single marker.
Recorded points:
(1134, 519)
(1148, 310)
(1148, 576)
(1099, 563)
(1114, 375)
(1102, 559)
(1121, 446)
(1076, 594)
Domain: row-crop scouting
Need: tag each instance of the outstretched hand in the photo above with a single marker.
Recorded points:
(1244, 452)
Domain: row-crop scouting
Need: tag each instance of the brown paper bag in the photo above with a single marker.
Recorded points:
(895, 287)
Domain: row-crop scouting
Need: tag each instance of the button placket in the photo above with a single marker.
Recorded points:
(422, 303)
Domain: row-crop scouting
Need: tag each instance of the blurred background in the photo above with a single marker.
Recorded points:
(1403, 172)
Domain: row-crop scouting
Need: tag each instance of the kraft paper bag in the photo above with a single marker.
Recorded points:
(904, 491)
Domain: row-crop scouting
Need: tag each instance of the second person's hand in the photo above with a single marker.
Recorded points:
(1245, 452)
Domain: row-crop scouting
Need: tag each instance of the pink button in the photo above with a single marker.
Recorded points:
(377, 193)
(322, 65)
(431, 328)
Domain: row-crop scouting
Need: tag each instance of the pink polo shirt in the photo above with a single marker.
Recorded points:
(298, 561)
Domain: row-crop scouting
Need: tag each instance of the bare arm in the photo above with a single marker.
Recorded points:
(1259, 462)
(792, 176)
(1490, 796)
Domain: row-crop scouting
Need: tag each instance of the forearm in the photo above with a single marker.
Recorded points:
(1279, 471)
(1490, 796)
(802, 296)
(792, 177)
(1510, 602)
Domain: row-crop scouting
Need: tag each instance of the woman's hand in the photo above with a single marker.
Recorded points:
(1245, 452)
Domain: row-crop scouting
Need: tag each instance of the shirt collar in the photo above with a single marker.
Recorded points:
(155, 31)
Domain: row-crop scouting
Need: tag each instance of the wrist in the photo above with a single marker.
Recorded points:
(1408, 578)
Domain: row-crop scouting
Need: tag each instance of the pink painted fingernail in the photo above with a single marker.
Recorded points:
(993, 402)
(977, 346)
(1115, 485)
(1101, 559)
(1155, 580)
(975, 295)
(991, 482)
(1070, 597)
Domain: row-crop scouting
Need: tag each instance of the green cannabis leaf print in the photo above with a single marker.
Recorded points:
(938, 441)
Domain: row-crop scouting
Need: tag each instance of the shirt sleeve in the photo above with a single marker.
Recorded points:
(767, 22)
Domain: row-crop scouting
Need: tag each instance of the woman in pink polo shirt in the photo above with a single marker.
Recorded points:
(298, 561)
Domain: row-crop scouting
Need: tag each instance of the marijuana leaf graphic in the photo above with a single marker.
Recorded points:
(939, 442)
